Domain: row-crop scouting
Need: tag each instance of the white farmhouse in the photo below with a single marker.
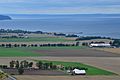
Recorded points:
(79, 72)
(100, 45)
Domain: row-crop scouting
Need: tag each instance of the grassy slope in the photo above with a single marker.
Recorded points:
(91, 70)
(23, 52)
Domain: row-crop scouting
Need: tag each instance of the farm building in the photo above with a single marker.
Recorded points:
(99, 45)
(79, 72)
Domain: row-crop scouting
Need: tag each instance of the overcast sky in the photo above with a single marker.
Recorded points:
(59, 6)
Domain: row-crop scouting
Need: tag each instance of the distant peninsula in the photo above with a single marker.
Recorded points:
(4, 17)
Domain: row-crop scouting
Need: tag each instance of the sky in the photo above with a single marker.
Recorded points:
(59, 6)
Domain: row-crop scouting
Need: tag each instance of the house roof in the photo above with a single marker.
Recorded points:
(77, 71)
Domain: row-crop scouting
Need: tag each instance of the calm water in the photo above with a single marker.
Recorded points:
(90, 25)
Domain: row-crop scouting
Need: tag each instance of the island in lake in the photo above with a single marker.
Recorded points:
(4, 17)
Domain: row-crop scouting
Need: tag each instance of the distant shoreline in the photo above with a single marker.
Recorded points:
(71, 34)
(4, 17)
(90, 24)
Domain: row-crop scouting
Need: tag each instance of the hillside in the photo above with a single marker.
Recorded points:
(4, 17)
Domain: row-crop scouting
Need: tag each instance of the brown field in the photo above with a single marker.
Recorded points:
(32, 77)
(113, 50)
(35, 72)
(76, 53)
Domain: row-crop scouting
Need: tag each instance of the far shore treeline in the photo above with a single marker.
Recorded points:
(17, 31)
(21, 34)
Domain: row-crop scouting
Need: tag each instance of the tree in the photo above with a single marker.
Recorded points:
(8, 45)
(85, 44)
(16, 45)
(17, 64)
(30, 64)
(116, 43)
(39, 64)
(12, 64)
(20, 70)
(46, 66)
(21, 64)
(35, 45)
(77, 43)
(51, 65)
(110, 42)
(25, 64)
(23, 45)
(66, 68)
(73, 73)
(54, 67)
(3, 45)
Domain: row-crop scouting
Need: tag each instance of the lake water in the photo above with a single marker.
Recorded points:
(90, 25)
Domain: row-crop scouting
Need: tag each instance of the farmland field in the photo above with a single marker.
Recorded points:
(99, 62)
(54, 52)
(28, 51)
(91, 70)
(16, 52)
(113, 50)
(37, 77)
(36, 39)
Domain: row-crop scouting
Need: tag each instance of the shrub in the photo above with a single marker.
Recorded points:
(20, 70)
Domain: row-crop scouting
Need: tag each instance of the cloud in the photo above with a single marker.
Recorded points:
(11, 1)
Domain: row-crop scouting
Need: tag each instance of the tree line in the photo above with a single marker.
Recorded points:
(21, 66)
(38, 45)
(19, 31)
(41, 65)
(92, 37)
(116, 43)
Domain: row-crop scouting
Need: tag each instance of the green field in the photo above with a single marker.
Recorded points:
(16, 52)
(28, 51)
(91, 70)
(35, 39)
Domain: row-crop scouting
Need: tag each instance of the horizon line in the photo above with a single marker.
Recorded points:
(55, 13)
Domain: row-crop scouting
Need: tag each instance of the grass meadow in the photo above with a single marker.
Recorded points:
(91, 70)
